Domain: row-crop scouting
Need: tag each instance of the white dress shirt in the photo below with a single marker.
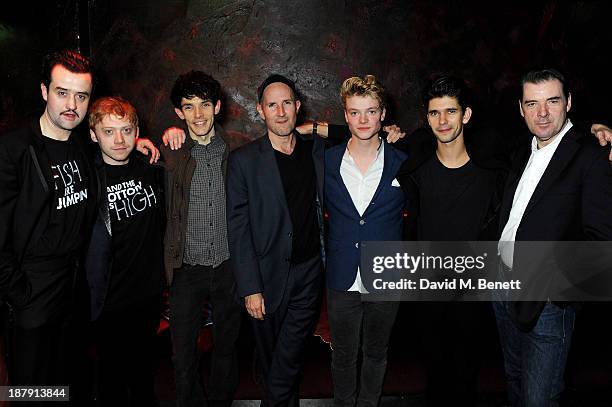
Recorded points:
(361, 187)
(537, 164)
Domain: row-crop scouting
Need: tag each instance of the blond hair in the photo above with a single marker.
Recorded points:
(366, 86)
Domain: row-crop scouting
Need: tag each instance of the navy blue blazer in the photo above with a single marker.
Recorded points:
(382, 220)
(258, 221)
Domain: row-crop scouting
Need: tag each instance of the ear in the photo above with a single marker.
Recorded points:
(179, 113)
(260, 111)
(346, 117)
(569, 102)
(44, 91)
(218, 107)
(467, 115)
(92, 134)
(521, 108)
(297, 106)
(137, 133)
(382, 115)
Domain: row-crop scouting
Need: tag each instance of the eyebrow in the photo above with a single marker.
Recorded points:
(282, 101)
(446, 109)
(367, 108)
(549, 99)
(190, 102)
(78, 92)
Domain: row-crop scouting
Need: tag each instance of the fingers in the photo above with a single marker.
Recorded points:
(255, 312)
(255, 306)
(601, 137)
(394, 133)
(154, 155)
(604, 136)
(174, 136)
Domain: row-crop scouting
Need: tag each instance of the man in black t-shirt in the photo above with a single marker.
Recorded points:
(274, 186)
(125, 257)
(46, 204)
(453, 195)
(48, 200)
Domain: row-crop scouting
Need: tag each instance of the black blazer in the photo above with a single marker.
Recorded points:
(258, 221)
(572, 202)
(26, 195)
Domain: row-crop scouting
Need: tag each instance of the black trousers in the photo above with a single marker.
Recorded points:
(352, 323)
(282, 336)
(125, 341)
(452, 336)
(44, 356)
(191, 287)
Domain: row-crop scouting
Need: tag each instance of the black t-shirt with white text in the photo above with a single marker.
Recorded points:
(134, 206)
(63, 235)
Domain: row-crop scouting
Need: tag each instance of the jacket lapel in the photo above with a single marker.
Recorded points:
(389, 171)
(519, 163)
(565, 151)
(335, 164)
(318, 159)
(41, 159)
(272, 185)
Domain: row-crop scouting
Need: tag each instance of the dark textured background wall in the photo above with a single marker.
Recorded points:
(141, 46)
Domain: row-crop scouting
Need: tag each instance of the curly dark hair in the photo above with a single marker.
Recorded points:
(195, 83)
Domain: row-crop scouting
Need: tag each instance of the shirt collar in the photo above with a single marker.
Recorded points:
(557, 139)
(380, 148)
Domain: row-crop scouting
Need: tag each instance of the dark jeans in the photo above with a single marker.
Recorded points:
(191, 287)
(352, 322)
(125, 340)
(452, 334)
(535, 361)
(282, 336)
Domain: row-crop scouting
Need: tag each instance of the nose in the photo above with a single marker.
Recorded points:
(281, 110)
(443, 118)
(363, 118)
(71, 103)
(119, 139)
(542, 110)
(198, 112)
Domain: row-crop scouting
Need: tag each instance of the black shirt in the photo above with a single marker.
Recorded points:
(134, 205)
(64, 232)
(299, 183)
(453, 202)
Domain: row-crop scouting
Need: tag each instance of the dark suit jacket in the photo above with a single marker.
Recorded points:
(571, 202)
(258, 221)
(26, 196)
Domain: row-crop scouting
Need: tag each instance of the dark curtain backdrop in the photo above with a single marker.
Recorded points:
(140, 46)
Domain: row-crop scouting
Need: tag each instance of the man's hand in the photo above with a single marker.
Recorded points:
(394, 133)
(255, 306)
(603, 134)
(175, 136)
(144, 146)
